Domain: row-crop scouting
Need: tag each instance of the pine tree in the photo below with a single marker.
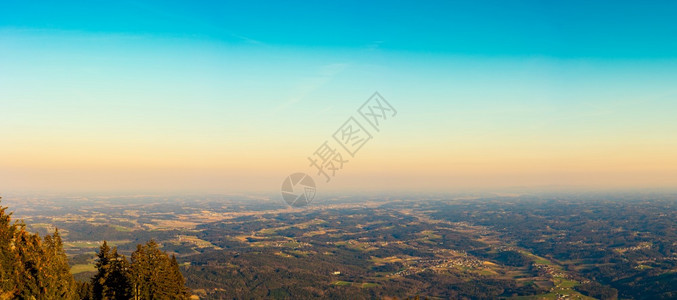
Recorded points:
(155, 275)
(35, 268)
(30, 257)
(9, 265)
(60, 282)
(178, 280)
(30, 267)
(112, 280)
(119, 279)
(102, 265)
(139, 272)
(84, 291)
(44, 272)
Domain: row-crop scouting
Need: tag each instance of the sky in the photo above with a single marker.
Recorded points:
(221, 97)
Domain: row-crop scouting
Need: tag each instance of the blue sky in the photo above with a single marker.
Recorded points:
(215, 97)
(601, 29)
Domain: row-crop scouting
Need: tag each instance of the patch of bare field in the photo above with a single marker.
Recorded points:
(379, 261)
(175, 224)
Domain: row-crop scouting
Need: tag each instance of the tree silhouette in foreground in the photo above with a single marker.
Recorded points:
(112, 278)
(31, 267)
(35, 268)
(151, 274)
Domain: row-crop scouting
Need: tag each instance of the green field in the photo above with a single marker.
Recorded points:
(82, 268)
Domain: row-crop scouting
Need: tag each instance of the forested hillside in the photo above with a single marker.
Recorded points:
(32, 267)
